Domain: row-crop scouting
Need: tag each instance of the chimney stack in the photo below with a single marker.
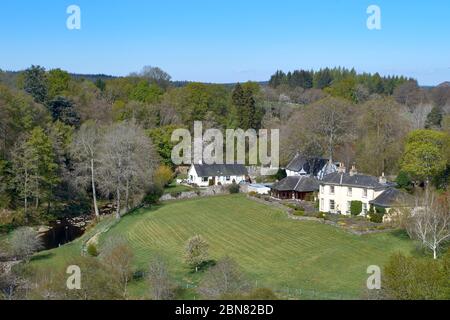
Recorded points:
(353, 171)
(382, 179)
(341, 168)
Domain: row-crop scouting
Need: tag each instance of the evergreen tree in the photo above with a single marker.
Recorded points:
(35, 83)
(434, 118)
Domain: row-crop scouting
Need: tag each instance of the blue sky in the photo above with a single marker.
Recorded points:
(228, 40)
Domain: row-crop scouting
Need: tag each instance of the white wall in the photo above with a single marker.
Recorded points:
(342, 198)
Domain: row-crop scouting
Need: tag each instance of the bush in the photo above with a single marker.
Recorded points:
(234, 188)
(253, 193)
(299, 212)
(152, 195)
(355, 208)
(92, 250)
(321, 215)
(376, 217)
(163, 176)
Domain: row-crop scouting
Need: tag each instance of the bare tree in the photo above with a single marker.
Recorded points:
(84, 150)
(159, 280)
(196, 251)
(117, 256)
(25, 242)
(430, 221)
(127, 161)
(225, 278)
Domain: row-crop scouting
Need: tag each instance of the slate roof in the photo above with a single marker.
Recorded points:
(392, 197)
(356, 180)
(217, 170)
(297, 183)
(299, 162)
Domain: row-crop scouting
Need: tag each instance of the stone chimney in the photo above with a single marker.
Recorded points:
(353, 171)
(341, 168)
(382, 179)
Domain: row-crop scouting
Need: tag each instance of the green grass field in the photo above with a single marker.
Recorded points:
(273, 250)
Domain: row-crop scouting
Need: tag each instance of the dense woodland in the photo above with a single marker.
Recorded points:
(70, 141)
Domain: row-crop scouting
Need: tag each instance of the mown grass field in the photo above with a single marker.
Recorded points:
(273, 250)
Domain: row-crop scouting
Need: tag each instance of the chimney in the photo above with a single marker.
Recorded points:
(382, 179)
(341, 168)
(353, 171)
(200, 161)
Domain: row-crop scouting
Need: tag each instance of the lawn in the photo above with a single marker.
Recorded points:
(302, 259)
(175, 188)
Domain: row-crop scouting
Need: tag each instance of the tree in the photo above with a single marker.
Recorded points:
(127, 160)
(224, 279)
(380, 130)
(430, 221)
(196, 252)
(63, 110)
(425, 154)
(25, 242)
(35, 83)
(330, 119)
(58, 82)
(160, 282)
(434, 118)
(163, 176)
(84, 151)
(155, 74)
(117, 256)
(35, 168)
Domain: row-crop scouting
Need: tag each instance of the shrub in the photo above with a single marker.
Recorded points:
(355, 208)
(234, 188)
(321, 215)
(253, 193)
(210, 182)
(299, 212)
(92, 250)
(163, 176)
(376, 217)
(153, 194)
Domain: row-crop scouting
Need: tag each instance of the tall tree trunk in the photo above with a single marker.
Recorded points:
(127, 196)
(94, 194)
(118, 202)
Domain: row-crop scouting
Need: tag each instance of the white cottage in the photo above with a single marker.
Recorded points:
(205, 175)
(339, 189)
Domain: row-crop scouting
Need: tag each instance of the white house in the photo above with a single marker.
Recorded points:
(339, 189)
(205, 175)
(317, 167)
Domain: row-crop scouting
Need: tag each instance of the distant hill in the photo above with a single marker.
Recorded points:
(445, 84)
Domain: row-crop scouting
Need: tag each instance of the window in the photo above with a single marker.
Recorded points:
(349, 206)
(205, 179)
(364, 208)
(332, 207)
(364, 193)
(228, 178)
(331, 189)
(322, 204)
(349, 191)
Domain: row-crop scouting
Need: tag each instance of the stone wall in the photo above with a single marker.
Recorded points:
(202, 192)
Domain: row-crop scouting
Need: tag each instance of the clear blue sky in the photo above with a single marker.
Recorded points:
(228, 40)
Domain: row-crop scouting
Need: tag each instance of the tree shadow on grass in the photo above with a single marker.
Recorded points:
(205, 265)
(42, 256)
